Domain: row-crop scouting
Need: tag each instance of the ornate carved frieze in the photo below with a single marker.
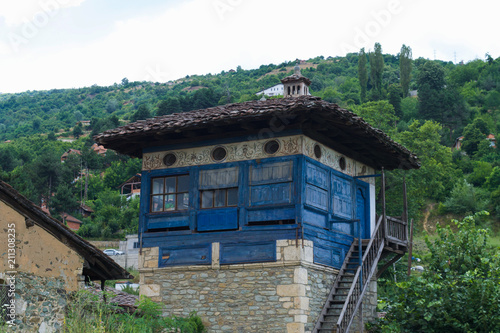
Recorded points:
(251, 150)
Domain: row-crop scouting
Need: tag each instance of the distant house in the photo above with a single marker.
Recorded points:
(490, 137)
(413, 93)
(493, 141)
(85, 210)
(132, 186)
(100, 150)
(65, 155)
(458, 143)
(47, 263)
(72, 222)
(272, 91)
(84, 123)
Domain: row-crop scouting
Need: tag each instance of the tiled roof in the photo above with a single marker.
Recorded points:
(334, 126)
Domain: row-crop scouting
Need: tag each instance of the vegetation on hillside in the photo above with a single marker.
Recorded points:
(454, 100)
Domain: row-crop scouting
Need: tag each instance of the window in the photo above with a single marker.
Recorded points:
(219, 188)
(219, 198)
(170, 193)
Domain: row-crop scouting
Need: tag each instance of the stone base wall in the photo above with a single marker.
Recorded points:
(40, 304)
(282, 296)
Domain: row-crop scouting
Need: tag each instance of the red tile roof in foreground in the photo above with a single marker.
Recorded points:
(326, 122)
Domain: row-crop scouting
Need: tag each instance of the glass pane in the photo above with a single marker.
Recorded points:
(170, 184)
(207, 199)
(182, 201)
(157, 203)
(232, 196)
(157, 185)
(220, 198)
(183, 183)
(170, 202)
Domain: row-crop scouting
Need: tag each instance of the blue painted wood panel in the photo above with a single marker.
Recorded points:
(162, 221)
(316, 197)
(219, 178)
(315, 217)
(201, 254)
(317, 176)
(271, 214)
(271, 194)
(235, 253)
(266, 173)
(342, 197)
(217, 219)
(327, 256)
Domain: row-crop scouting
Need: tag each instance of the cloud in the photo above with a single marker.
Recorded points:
(17, 13)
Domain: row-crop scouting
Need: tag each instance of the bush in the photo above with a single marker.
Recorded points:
(458, 291)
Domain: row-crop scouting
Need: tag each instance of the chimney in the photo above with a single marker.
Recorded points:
(295, 85)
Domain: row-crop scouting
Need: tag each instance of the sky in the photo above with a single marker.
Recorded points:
(55, 44)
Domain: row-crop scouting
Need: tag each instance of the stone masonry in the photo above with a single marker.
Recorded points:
(40, 304)
(282, 296)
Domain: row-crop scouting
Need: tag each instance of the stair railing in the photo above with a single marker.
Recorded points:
(362, 277)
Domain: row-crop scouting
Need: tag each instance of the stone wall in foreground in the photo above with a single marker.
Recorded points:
(40, 304)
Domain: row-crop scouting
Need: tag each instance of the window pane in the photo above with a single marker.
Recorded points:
(170, 184)
(232, 196)
(183, 183)
(182, 201)
(157, 203)
(157, 185)
(220, 198)
(207, 199)
(170, 202)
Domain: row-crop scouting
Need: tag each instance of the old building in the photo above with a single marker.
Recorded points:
(250, 212)
(41, 262)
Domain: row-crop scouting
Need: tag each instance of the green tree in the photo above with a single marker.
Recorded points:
(458, 291)
(362, 74)
(472, 138)
(78, 130)
(405, 68)
(379, 114)
(376, 72)
(64, 199)
(169, 106)
(142, 113)
(430, 82)
(395, 99)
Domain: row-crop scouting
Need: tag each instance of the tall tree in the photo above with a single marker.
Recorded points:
(430, 82)
(405, 67)
(376, 71)
(395, 98)
(362, 74)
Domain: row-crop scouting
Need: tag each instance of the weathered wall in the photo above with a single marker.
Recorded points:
(40, 303)
(38, 252)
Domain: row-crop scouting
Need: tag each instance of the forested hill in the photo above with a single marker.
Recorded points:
(454, 100)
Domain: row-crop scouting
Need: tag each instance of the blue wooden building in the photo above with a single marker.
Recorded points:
(245, 176)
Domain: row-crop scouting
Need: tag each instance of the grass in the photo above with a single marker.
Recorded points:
(87, 313)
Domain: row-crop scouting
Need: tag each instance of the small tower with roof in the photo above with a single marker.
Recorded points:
(296, 84)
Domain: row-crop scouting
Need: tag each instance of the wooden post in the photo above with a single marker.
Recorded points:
(410, 250)
(383, 205)
(405, 207)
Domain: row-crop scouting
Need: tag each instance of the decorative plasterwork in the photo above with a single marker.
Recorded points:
(251, 150)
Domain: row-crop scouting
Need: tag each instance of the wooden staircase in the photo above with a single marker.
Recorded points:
(390, 238)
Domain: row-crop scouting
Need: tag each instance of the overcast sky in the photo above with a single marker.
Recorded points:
(46, 44)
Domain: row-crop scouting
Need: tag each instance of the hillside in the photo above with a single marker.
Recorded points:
(454, 100)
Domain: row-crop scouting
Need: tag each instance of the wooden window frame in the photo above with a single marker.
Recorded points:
(164, 194)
